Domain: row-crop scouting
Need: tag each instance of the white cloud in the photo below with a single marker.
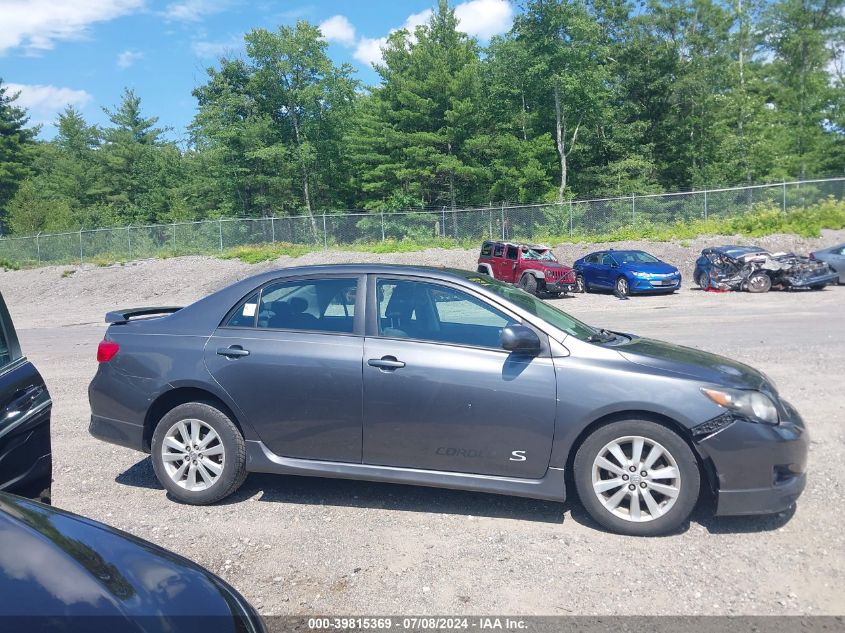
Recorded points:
(368, 50)
(38, 24)
(128, 57)
(193, 10)
(212, 50)
(338, 29)
(484, 18)
(477, 18)
(44, 102)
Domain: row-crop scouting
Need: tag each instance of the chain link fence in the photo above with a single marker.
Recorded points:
(572, 219)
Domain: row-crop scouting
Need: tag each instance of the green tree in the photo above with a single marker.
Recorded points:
(17, 142)
(415, 130)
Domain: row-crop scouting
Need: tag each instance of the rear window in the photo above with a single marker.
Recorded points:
(497, 252)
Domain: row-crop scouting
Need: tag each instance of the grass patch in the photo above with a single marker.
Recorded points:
(67, 273)
(5, 264)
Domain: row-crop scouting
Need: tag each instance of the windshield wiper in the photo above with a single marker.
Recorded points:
(602, 336)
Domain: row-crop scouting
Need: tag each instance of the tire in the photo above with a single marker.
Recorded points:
(818, 287)
(703, 281)
(759, 283)
(660, 513)
(529, 284)
(622, 287)
(226, 452)
(580, 284)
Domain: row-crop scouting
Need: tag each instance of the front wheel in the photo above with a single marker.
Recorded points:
(529, 284)
(623, 289)
(637, 477)
(198, 454)
(759, 282)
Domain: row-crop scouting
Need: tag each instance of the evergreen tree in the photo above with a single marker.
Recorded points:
(17, 142)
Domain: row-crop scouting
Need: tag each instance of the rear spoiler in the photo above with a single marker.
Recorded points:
(123, 316)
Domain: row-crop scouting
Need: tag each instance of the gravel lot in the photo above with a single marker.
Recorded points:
(306, 546)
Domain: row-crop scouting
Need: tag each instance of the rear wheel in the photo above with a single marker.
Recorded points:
(580, 284)
(703, 281)
(198, 454)
(759, 282)
(637, 477)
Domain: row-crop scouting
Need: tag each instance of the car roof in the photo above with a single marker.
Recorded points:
(734, 250)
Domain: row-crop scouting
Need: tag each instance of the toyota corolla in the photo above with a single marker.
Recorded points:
(441, 378)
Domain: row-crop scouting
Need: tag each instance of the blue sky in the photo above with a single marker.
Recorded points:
(85, 51)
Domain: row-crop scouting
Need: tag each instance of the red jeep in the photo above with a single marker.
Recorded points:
(532, 268)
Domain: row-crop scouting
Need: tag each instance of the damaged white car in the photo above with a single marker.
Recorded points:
(756, 270)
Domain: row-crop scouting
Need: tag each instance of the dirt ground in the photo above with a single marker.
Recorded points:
(302, 546)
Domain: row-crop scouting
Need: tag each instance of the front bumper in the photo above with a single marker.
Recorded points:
(552, 286)
(655, 285)
(759, 468)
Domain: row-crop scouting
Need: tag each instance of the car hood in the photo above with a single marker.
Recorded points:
(555, 265)
(53, 563)
(692, 363)
(659, 268)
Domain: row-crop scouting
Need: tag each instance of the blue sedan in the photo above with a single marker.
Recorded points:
(625, 272)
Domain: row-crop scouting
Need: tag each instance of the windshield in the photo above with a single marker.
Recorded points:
(542, 254)
(539, 308)
(634, 257)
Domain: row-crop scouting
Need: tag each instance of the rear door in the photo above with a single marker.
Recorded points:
(290, 356)
(25, 452)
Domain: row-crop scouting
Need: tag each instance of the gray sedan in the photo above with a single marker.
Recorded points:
(442, 378)
(833, 256)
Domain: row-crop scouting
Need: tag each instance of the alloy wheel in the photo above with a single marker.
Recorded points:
(636, 478)
(622, 286)
(193, 454)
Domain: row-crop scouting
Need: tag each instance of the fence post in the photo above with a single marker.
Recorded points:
(490, 214)
(38, 247)
(80, 247)
(503, 221)
(382, 225)
(443, 221)
(705, 205)
(129, 240)
(220, 232)
(325, 234)
(570, 218)
(273, 228)
(784, 196)
(633, 209)
(174, 238)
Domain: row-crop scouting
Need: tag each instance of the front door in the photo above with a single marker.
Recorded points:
(441, 394)
(25, 452)
(290, 357)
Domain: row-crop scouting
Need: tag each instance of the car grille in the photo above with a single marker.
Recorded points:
(561, 276)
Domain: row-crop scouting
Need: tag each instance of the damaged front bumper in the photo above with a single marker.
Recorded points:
(759, 468)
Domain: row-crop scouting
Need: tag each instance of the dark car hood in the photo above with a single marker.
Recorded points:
(693, 363)
(53, 563)
(660, 268)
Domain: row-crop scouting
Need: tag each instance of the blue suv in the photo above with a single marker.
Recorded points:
(625, 272)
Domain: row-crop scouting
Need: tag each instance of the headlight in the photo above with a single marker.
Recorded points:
(642, 275)
(752, 404)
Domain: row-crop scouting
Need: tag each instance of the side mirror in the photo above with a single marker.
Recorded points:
(520, 339)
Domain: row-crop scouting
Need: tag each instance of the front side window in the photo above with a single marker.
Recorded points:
(607, 260)
(513, 252)
(314, 305)
(432, 312)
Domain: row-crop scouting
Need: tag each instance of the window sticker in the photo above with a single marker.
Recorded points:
(249, 309)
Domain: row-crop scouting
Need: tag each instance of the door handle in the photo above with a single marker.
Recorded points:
(386, 363)
(23, 400)
(235, 351)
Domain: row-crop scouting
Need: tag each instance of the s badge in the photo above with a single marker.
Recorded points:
(517, 456)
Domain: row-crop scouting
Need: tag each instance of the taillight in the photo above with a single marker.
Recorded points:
(106, 350)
